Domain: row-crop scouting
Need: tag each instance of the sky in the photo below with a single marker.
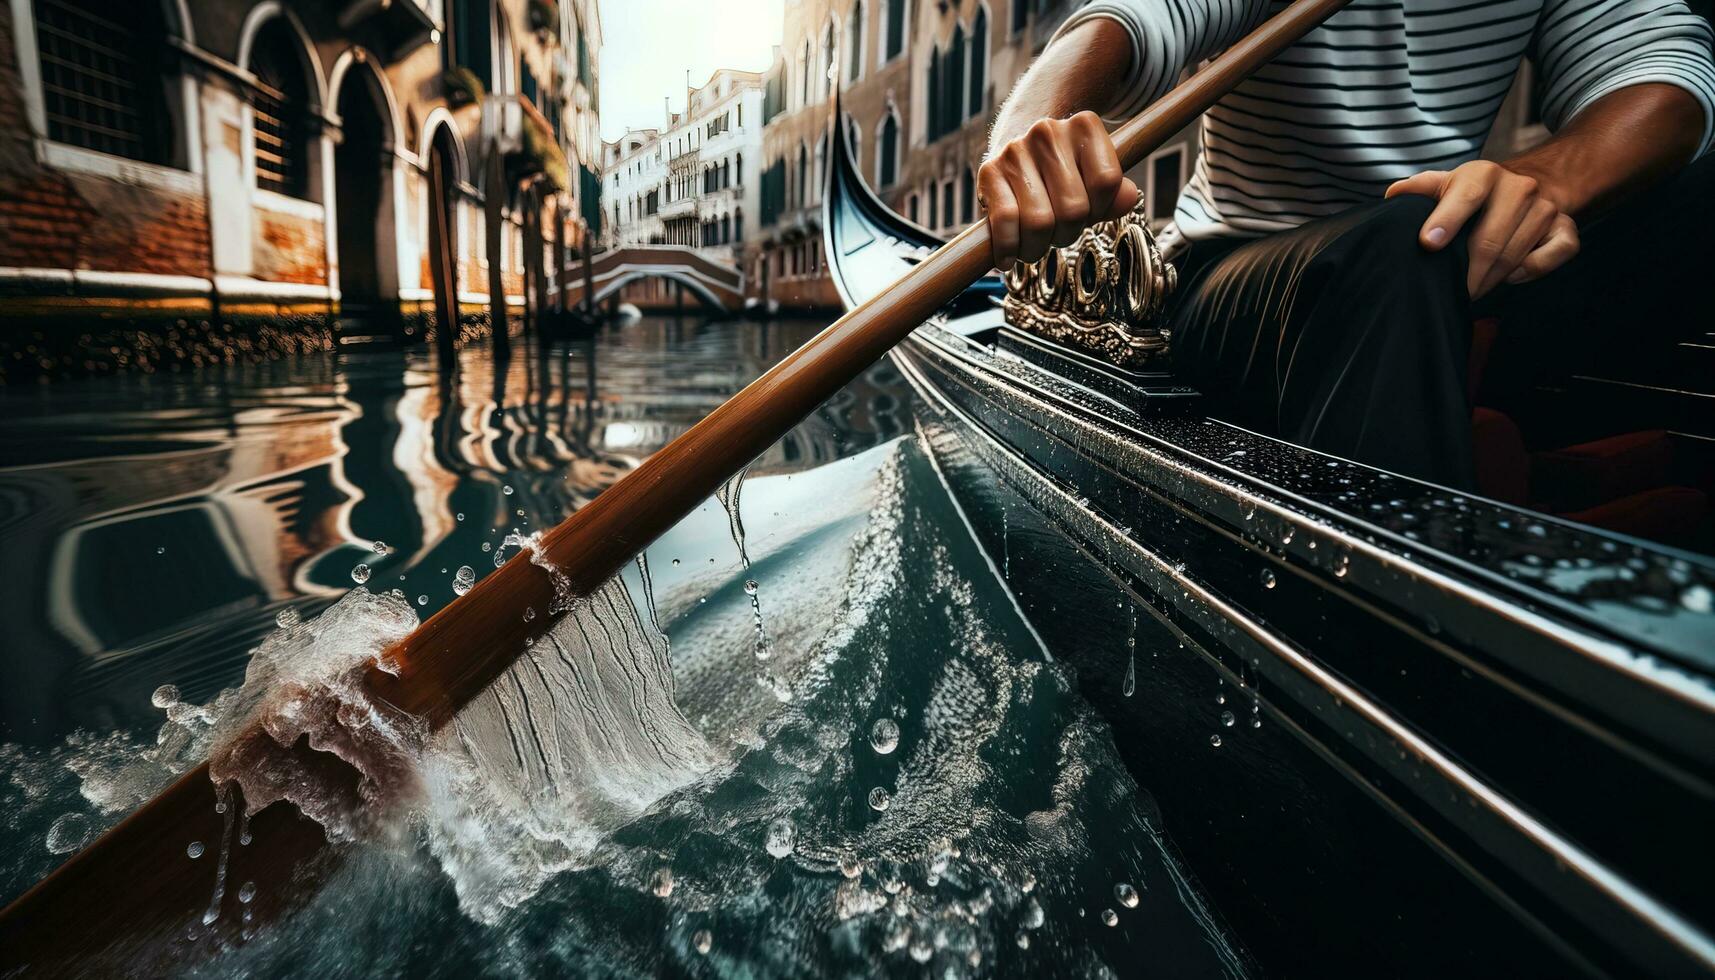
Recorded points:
(648, 44)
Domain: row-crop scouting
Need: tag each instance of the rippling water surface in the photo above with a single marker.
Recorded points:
(807, 733)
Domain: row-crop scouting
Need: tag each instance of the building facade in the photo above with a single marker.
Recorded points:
(691, 182)
(258, 169)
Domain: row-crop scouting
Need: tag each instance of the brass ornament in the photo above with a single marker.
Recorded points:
(1105, 294)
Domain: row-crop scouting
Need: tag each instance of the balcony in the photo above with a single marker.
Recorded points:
(684, 207)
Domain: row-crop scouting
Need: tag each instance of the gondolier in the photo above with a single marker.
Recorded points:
(1339, 232)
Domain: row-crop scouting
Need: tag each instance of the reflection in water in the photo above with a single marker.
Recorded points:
(153, 527)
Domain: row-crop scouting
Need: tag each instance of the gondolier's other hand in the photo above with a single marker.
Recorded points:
(1523, 212)
(1518, 230)
(1051, 168)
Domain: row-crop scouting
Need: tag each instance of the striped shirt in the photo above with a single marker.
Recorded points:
(1384, 89)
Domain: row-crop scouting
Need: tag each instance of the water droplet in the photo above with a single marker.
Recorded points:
(247, 892)
(1697, 599)
(702, 940)
(1342, 563)
(1215, 740)
(1033, 915)
(1256, 722)
(1126, 895)
(68, 833)
(884, 736)
(1023, 940)
(165, 696)
(195, 849)
(1110, 918)
(1227, 719)
(661, 882)
(463, 579)
(781, 837)
(506, 489)
(360, 574)
(1027, 884)
(460, 516)
(750, 587)
(529, 613)
(286, 618)
(1128, 687)
(879, 799)
(1267, 579)
(422, 600)
(675, 563)
(380, 547)
(160, 551)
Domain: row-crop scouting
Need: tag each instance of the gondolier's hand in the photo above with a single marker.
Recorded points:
(1044, 187)
(1521, 232)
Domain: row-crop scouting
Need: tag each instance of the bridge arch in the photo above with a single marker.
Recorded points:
(698, 288)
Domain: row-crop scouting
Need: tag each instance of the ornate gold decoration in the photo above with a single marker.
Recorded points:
(1105, 294)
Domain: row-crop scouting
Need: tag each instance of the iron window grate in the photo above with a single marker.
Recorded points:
(101, 84)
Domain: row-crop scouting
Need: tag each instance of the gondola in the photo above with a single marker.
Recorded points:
(1391, 729)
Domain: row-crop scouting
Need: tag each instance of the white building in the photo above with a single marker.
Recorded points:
(632, 179)
(694, 182)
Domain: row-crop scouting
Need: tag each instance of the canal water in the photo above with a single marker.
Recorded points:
(810, 735)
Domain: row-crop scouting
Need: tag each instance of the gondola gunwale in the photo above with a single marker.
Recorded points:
(1333, 701)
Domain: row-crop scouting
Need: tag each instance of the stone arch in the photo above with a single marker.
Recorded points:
(366, 64)
(697, 287)
(258, 18)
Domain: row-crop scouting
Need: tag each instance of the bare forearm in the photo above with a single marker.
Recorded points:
(1622, 143)
(1081, 70)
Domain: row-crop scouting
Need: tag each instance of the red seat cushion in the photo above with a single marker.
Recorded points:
(1593, 473)
(1503, 467)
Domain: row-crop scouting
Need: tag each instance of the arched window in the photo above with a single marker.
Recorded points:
(968, 196)
(947, 204)
(726, 228)
(803, 175)
(894, 43)
(854, 43)
(280, 111)
(738, 168)
(105, 76)
(979, 62)
(887, 152)
(738, 224)
(933, 211)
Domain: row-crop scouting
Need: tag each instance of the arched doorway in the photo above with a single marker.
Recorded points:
(363, 169)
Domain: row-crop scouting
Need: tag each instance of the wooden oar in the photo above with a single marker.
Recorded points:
(136, 881)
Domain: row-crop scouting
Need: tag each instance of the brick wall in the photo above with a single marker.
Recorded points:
(290, 248)
(83, 221)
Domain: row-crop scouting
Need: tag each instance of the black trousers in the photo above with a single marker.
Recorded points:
(1346, 336)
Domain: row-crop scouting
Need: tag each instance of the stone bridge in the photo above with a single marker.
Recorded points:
(717, 284)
